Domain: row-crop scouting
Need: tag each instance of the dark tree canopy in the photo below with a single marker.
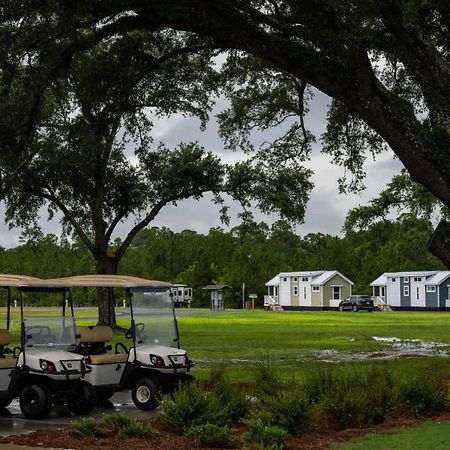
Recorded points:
(385, 63)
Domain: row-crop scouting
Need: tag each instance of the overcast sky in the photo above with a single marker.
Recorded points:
(326, 209)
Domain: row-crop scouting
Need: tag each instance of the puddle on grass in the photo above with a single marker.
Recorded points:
(395, 348)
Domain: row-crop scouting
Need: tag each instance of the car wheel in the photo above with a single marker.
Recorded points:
(370, 310)
(355, 308)
(35, 401)
(145, 393)
(83, 400)
(341, 308)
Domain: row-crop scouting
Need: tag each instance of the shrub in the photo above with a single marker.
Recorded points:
(422, 395)
(87, 427)
(117, 421)
(190, 406)
(267, 380)
(289, 408)
(319, 383)
(236, 404)
(261, 436)
(136, 430)
(210, 435)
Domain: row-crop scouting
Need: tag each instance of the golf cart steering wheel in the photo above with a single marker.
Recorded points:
(39, 334)
(139, 329)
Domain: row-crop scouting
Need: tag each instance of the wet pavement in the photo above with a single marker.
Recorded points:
(12, 421)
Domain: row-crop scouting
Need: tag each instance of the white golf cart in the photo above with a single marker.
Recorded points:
(153, 363)
(43, 370)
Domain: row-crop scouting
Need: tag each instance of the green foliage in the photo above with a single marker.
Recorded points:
(210, 435)
(261, 436)
(421, 394)
(118, 424)
(191, 406)
(87, 427)
(290, 409)
(236, 403)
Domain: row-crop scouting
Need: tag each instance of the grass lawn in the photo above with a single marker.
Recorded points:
(292, 341)
(432, 435)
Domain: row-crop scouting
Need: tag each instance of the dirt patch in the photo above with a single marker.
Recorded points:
(169, 439)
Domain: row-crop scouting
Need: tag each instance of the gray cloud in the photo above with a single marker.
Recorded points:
(327, 208)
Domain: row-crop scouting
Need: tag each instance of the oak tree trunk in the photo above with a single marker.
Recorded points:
(105, 296)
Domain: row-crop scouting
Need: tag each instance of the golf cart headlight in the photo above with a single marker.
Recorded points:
(48, 366)
(157, 361)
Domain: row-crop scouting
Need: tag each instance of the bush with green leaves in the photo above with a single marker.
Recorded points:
(236, 403)
(191, 405)
(290, 408)
(210, 435)
(261, 436)
(422, 395)
(88, 427)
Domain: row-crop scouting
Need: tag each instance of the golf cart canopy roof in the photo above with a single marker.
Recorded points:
(24, 282)
(120, 281)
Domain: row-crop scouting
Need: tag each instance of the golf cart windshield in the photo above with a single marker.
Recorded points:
(154, 319)
(42, 331)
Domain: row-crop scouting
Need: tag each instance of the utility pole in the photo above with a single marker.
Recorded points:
(243, 295)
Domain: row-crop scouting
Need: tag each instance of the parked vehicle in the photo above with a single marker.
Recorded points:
(356, 303)
(42, 371)
(153, 363)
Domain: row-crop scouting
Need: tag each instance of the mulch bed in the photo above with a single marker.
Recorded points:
(168, 439)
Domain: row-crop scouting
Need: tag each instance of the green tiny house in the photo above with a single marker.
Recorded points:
(320, 289)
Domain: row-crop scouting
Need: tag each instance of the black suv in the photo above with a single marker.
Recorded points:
(356, 302)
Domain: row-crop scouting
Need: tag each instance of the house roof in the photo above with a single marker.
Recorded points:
(382, 279)
(325, 276)
(438, 278)
(216, 287)
(320, 277)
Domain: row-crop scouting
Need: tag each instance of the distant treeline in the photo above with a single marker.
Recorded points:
(248, 253)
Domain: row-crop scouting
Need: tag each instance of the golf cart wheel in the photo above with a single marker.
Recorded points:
(35, 401)
(84, 399)
(4, 402)
(145, 394)
(355, 308)
(104, 396)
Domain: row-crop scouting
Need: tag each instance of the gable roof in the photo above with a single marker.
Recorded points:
(325, 276)
(216, 287)
(382, 279)
(319, 277)
(438, 278)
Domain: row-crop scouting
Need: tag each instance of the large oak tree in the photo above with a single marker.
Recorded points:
(384, 62)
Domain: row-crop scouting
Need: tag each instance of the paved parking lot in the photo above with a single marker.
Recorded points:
(12, 421)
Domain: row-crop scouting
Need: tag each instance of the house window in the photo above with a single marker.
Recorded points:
(296, 290)
(431, 288)
(417, 293)
(336, 292)
(305, 278)
(316, 288)
(295, 279)
(417, 278)
(405, 279)
(406, 291)
(393, 280)
(304, 292)
(284, 279)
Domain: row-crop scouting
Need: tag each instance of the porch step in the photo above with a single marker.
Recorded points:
(276, 308)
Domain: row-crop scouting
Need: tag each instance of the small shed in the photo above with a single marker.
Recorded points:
(217, 295)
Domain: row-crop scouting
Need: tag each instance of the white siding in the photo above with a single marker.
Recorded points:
(417, 292)
(304, 291)
(393, 291)
(285, 291)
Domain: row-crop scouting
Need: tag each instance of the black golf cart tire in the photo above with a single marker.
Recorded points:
(40, 395)
(84, 400)
(104, 396)
(4, 402)
(140, 388)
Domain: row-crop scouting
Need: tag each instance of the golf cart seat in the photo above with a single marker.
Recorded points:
(5, 339)
(93, 340)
